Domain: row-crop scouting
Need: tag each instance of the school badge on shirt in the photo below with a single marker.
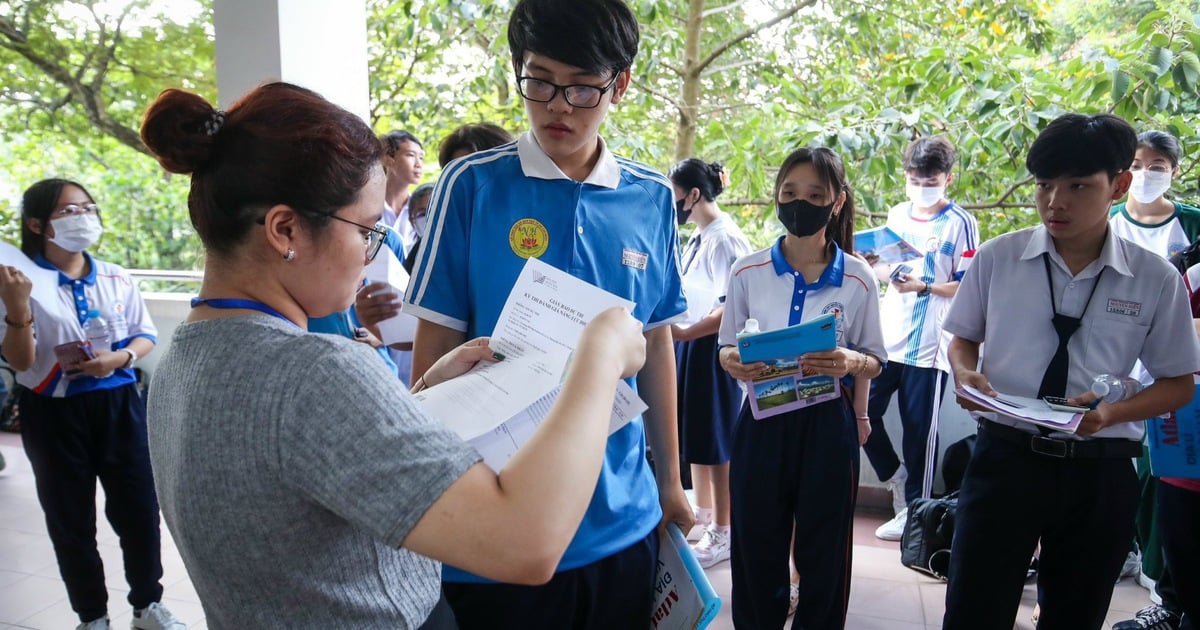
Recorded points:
(528, 238)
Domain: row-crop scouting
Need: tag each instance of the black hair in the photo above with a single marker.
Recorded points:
(708, 178)
(1162, 143)
(832, 172)
(472, 138)
(421, 191)
(1078, 145)
(598, 36)
(39, 202)
(392, 140)
(929, 156)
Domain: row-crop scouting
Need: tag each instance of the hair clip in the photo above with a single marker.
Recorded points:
(214, 123)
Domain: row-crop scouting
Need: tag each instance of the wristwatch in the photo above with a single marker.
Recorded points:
(133, 357)
(927, 290)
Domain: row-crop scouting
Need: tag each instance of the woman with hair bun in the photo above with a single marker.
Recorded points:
(303, 485)
(709, 398)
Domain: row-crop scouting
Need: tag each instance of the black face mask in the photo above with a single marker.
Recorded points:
(802, 218)
(681, 215)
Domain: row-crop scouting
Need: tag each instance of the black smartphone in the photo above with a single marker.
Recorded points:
(1058, 403)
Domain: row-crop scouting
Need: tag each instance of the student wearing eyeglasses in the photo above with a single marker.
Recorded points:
(83, 422)
(304, 487)
(560, 195)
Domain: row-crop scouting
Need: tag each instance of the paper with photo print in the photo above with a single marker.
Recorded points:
(783, 387)
(538, 330)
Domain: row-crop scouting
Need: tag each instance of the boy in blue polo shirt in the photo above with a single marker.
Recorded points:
(1054, 306)
(558, 194)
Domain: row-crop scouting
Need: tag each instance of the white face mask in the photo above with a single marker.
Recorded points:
(419, 225)
(1148, 186)
(924, 197)
(77, 232)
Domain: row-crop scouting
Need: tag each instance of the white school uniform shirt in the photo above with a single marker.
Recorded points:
(764, 286)
(1139, 311)
(912, 324)
(108, 289)
(709, 262)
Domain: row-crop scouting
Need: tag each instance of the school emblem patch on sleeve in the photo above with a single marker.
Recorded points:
(528, 238)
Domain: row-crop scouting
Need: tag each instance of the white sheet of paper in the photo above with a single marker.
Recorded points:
(45, 281)
(538, 330)
(500, 444)
(387, 268)
(701, 299)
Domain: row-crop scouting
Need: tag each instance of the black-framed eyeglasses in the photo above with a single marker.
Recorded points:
(72, 208)
(582, 96)
(373, 238)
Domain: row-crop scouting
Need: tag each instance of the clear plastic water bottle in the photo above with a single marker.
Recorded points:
(750, 327)
(95, 329)
(1111, 388)
(118, 329)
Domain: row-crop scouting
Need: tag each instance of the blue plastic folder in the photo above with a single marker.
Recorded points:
(684, 599)
(811, 336)
(1175, 442)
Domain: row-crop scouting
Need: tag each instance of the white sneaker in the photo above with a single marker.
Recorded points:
(712, 548)
(896, 486)
(95, 624)
(155, 617)
(893, 529)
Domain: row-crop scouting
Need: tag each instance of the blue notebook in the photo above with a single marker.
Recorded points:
(784, 386)
(885, 243)
(684, 599)
(1175, 442)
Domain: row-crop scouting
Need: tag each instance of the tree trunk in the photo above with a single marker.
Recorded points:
(689, 102)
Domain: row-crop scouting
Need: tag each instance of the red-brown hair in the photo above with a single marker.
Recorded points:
(279, 144)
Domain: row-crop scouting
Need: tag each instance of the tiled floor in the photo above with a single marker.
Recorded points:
(884, 596)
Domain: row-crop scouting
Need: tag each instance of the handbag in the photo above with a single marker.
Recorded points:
(928, 533)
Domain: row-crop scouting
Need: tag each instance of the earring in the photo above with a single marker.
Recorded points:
(291, 255)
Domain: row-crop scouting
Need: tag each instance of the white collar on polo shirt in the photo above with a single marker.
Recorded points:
(535, 163)
(1111, 254)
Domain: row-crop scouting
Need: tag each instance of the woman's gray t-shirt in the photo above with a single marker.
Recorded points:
(290, 467)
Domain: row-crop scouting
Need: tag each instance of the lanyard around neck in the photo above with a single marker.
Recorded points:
(237, 303)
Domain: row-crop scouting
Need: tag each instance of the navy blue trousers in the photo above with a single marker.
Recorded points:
(1080, 509)
(615, 592)
(920, 392)
(71, 443)
(1179, 525)
(796, 469)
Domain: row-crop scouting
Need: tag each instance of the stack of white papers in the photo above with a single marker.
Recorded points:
(497, 406)
(1029, 410)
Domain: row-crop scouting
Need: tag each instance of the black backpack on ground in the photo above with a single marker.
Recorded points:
(954, 462)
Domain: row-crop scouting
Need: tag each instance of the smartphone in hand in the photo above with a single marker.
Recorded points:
(900, 273)
(1058, 403)
(71, 356)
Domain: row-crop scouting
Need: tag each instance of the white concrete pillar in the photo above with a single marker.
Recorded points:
(318, 44)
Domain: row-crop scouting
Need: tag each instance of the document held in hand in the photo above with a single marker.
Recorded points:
(402, 327)
(1029, 410)
(884, 242)
(683, 597)
(45, 281)
(784, 386)
(538, 330)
